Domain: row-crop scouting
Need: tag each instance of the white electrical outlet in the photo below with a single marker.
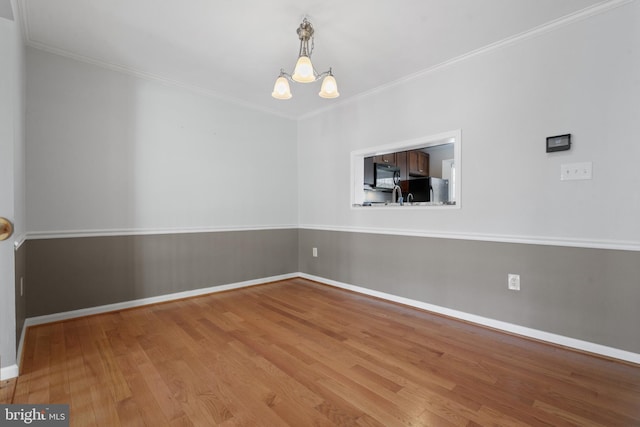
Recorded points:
(575, 171)
(513, 281)
(315, 252)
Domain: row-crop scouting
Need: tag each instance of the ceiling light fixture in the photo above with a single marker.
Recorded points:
(304, 71)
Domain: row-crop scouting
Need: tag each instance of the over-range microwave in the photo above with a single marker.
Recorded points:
(385, 176)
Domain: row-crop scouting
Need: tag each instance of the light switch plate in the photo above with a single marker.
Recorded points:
(575, 171)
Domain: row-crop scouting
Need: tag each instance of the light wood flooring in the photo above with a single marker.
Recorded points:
(303, 354)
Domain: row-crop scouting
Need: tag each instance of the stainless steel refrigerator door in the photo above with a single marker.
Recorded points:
(439, 190)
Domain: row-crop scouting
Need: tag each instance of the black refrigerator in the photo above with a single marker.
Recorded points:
(429, 189)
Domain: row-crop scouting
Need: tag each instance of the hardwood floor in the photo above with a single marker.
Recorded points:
(299, 353)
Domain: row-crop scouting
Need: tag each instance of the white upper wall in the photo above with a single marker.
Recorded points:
(111, 152)
(580, 78)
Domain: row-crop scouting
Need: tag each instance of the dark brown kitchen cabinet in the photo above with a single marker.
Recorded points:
(401, 162)
(389, 159)
(418, 163)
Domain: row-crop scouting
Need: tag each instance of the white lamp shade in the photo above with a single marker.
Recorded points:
(303, 72)
(281, 89)
(329, 88)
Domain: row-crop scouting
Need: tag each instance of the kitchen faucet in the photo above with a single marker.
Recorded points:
(396, 191)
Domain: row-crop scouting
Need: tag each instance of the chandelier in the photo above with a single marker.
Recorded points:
(304, 71)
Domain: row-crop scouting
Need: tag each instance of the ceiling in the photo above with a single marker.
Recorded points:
(234, 49)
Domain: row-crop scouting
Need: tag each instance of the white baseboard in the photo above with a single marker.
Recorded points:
(492, 323)
(13, 370)
(9, 372)
(56, 317)
(21, 345)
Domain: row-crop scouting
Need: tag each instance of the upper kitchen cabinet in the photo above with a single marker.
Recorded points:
(389, 158)
(402, 162)
(418, 163)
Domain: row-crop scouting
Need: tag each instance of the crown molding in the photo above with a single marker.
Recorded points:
(596, 9)
(580, 15)
(134, 72)
(144, 75)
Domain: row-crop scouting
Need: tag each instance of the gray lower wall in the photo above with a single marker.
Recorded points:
(66, 274)
(21, 301)
(587, 294)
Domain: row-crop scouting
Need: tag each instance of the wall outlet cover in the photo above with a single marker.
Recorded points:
(513, 282)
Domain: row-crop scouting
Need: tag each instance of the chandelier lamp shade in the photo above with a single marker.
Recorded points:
(304, 71)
